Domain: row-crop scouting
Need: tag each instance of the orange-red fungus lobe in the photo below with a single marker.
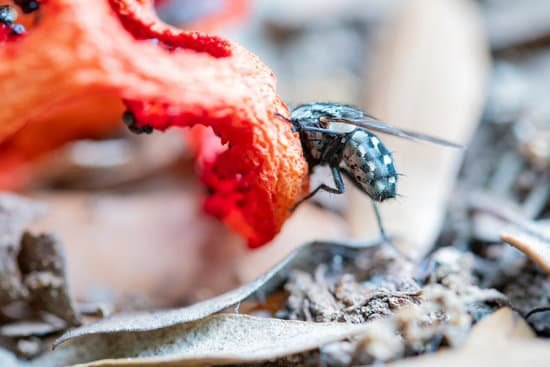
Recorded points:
(118, 50)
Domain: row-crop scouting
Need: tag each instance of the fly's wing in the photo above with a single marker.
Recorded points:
(371, 123)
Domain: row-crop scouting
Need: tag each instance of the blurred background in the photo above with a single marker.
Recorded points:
(128, 208)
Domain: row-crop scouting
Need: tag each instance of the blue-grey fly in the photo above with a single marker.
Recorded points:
(340, 136)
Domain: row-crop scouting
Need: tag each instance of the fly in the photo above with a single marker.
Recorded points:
(8, 16)
(341, 137)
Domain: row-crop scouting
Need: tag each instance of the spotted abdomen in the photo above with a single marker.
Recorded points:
(370, 165)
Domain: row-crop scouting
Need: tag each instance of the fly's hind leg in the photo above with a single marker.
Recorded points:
(338, 182)
(379, 221)
(383, 236)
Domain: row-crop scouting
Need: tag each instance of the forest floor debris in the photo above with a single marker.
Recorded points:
(35, 301)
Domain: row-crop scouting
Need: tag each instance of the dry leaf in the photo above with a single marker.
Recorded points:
(428, 76)
(501, 338)
(305, 257)
(536, 248)
(218, 339)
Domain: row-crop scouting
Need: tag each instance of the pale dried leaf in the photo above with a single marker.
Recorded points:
(502, 338)
(305, 257)
(501, 326)
(430, 82)
(218, 339)
(536, 248)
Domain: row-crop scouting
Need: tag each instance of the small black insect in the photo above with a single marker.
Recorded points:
(8, 16)
(28, 6)
(339, 136)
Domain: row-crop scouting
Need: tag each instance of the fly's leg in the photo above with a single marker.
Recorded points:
(338, 182)
(383, 235)
(377, 214)
(379, 220)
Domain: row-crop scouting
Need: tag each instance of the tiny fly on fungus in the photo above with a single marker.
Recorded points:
(340, 136)
(8, 16)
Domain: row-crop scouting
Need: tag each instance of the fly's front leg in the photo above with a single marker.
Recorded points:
(381, 229)
(338, 182)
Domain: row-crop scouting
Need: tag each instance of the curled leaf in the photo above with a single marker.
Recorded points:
(218, 339)
(305, 257)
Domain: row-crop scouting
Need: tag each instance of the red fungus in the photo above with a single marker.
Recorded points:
(82, 48)
(4, 32)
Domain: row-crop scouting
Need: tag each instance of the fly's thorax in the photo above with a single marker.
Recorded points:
(314, 143)
(339, 127)
(310, 114)
(370, 165)
(305, 115)
(314, 110)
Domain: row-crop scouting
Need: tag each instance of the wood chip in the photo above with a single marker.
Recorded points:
(537, 249)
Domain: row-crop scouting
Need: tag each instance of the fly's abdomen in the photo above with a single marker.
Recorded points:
(370, 165)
